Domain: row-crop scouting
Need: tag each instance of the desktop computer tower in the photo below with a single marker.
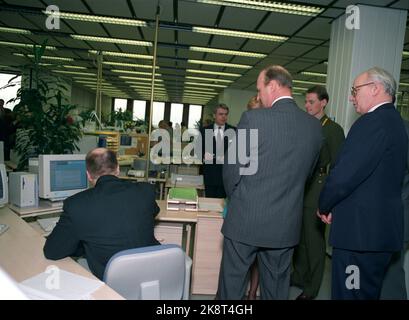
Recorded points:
(23, 189)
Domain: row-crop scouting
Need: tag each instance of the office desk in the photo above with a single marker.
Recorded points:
(22, 256)
(160, 181)
(200, 188)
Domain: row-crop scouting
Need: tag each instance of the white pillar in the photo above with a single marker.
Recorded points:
(363, 38)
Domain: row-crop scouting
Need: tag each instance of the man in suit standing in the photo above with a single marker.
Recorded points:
(113, 216)
(362, 194)
(309, 255)
(265, 207)
(394, 283)
(213, 152)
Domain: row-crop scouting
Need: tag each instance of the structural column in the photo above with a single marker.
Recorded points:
(362, 38)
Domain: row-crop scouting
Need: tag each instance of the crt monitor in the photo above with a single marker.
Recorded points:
(3, 185)
(61, 175)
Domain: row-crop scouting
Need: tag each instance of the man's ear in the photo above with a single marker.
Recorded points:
(323, 103)
(90, 178)
(117, 170)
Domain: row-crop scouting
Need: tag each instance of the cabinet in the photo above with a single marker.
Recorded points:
(169, 233)
(207, 254)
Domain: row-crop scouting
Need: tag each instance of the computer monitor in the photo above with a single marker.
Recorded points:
(61, 176)
(1, 152)
(4, 198)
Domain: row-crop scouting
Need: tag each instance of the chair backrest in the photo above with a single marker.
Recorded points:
(149, 273)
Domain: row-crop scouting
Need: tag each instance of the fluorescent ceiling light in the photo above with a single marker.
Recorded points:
(123, 54)
(112, 40)
(208, 79)
(134, 72)
(44, 57)
(404, 84)
(139, 79)
(239, 34)
(299, 88)
(99, 19)
(405, 53)
(23, 45)
(280, 7)
(308, 82)
(217, 73)
(220, 64)
(229, 52)
(14, 30)
(187, 87)
(205, 84)
(75, 72)
(132, 65)
(74, 67)
(314, 74)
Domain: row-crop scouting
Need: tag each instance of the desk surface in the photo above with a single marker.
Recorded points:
(22, 256)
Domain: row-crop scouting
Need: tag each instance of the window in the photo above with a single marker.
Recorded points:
(176, 113)
(10, 92)
(139, 110)
(195, 113)
(158, 112)
(120, 104)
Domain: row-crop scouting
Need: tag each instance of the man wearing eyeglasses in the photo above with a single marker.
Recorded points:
(362, 194)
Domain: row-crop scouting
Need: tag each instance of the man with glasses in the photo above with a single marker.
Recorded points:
(362, 194)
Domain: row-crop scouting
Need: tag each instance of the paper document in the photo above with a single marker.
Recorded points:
(59, 284)
(48, 224)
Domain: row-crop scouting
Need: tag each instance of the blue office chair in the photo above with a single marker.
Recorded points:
(159, 272)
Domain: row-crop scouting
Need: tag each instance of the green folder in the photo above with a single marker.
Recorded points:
(183, 194)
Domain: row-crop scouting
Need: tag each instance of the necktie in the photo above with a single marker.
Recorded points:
(219, 142)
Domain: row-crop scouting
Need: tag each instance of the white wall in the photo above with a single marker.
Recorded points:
(237, 101)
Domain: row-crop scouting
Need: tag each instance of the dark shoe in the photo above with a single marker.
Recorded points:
(302, 296)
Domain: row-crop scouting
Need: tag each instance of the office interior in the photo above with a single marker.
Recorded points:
(177, 59)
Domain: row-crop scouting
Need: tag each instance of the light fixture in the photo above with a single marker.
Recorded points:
(205, 84)
(122, 54)
(280, 7)
(239, 34)
(74, 67)
(228, 52)
(208, 79)
(132, 65)
(187, 87)
(44, 57)
(75, 72)
(217, 73)
(404, 84)
(134, 72)
(220, 64)
(405, 53)
(99, 19)
(14, 30)
(139, 79)
(313, 74)
(112, 40)
(23, 45)
(308, 82)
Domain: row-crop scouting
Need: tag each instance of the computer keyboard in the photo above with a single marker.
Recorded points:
(3, 228)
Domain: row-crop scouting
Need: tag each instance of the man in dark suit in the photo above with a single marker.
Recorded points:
(309, 255)
(213, 150)
(266, 192)
(362, 194)
(394, 283)
(113, 216)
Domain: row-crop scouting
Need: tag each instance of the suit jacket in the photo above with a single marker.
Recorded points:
(114, 215)
(213, 172)
(363, 190)
(405, 193)
(265, 208)
(333, 139)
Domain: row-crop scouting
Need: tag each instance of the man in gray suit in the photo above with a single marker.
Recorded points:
(265, 207)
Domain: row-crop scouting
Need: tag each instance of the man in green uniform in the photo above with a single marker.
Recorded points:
(309, 256)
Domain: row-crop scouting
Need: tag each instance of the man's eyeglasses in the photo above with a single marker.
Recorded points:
(354, 90)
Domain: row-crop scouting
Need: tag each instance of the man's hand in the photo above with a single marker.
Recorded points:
(326, 218)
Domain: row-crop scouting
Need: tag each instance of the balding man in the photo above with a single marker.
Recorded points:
(362, 194)
(113, 216)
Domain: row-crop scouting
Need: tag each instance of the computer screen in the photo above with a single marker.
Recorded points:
(3, 185)
(1, 152)
(61, 176)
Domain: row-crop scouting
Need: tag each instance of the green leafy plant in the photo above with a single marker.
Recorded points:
(46, 123)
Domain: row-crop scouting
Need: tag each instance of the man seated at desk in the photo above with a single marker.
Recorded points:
(113, 216)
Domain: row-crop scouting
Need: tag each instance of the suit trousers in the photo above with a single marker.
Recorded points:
(309, 255)
(274, 268)
(358, 275)
(394, 283)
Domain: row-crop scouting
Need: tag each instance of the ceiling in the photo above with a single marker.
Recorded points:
(183, 73)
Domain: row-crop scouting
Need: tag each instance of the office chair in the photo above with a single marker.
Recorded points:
(159, 272)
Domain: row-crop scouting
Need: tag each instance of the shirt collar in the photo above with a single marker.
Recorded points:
(216, 127)
(377, 106)
(280, 98)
